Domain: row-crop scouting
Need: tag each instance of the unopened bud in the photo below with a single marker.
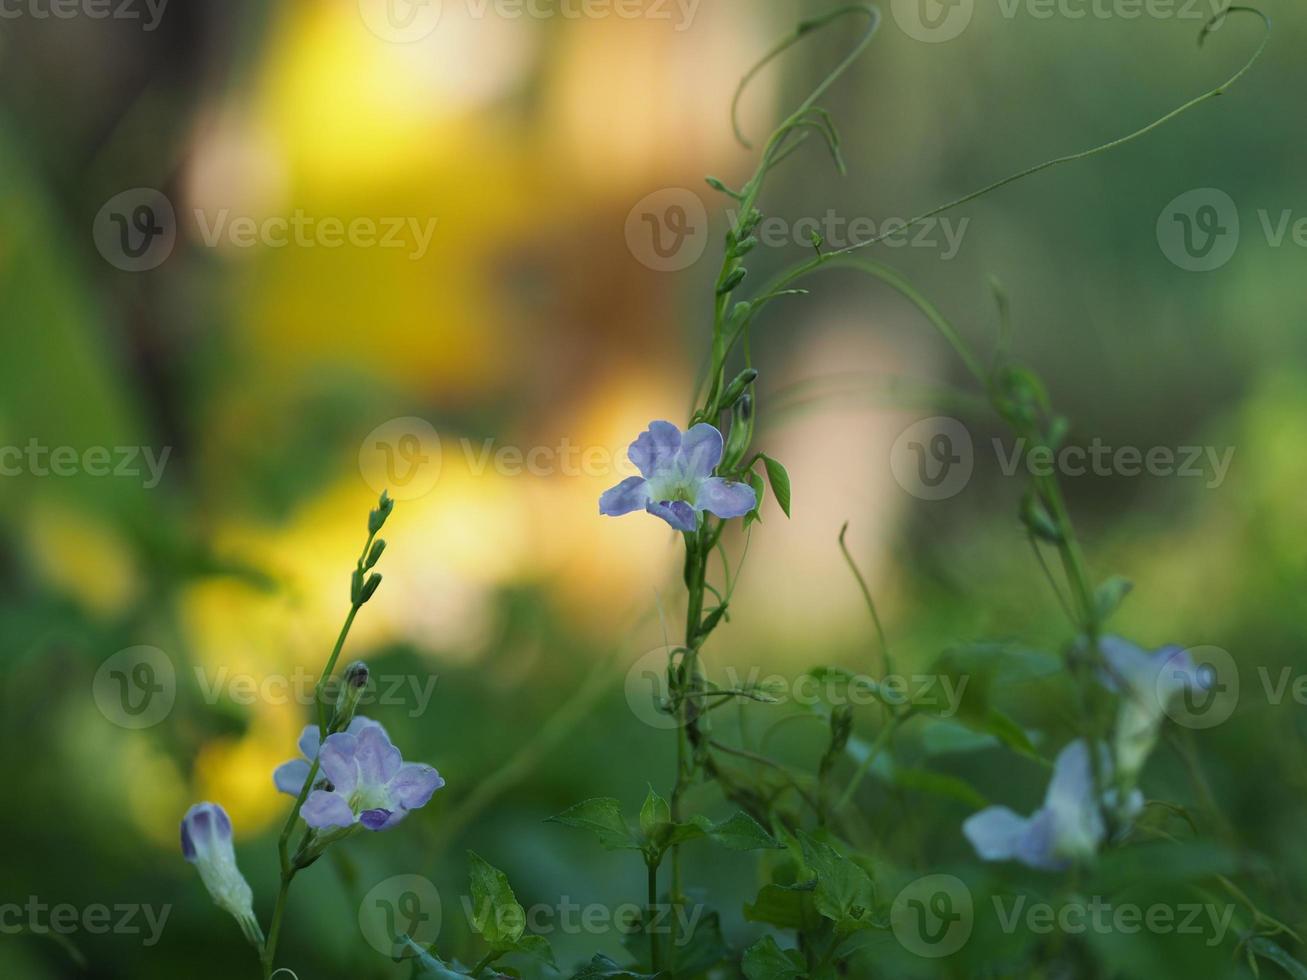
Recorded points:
(206, 843)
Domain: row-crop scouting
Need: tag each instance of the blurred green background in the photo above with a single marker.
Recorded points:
(534, 319)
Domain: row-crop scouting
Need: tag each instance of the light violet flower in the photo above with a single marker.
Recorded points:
(206, 843)
(676, 481)
(1069, 826)
(1146, 683)
(364, 779)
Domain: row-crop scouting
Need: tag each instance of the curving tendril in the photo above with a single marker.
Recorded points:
(804, 29)
(1220, 90)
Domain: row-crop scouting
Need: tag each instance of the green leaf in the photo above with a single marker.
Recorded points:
(703, 949)
(780, 905)
(655, 813)
(602, 968)
(942, 785)
(536, 946)
(1272, 951)
(739, 832)
(496, 914)
(780, 482)
(426, 964)
(759, 490)
(1109, 596)
(844, 892)
(764, 960)
(602, 816)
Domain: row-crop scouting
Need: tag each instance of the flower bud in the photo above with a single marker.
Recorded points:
(374, 555)
(378, 517)
(206, 843)
(351, 691)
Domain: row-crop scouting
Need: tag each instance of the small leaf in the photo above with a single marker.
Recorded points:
(1272, 951)
(780, 482)
(844, 892)
(426, 964)
(496, 914)
(739, 832)
(602, 968)
(1109, 596)
(536, 946)
(759, 488)
(780, 905)
(764, 960)
(655, 813)
(602, 816)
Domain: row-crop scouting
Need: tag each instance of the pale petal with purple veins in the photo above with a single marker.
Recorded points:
(701, 450)
(677, 513)
(378, 760)
(289, 776)
(323, 809)
(725, 498)
(337, 761)
(655, 448)
(414, 785)
(631, 494)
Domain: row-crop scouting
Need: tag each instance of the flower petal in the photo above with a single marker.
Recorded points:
(725, 498)
(377, 819)
(378, 760)
(289, 776)
(701, 450)
(996, 833)
(630, 495)
(655, 448)
(677, 513)
(1127, 667)
(414, 785)
(360, 722)
(309, 742)
(338, 761)
(323, 809)
(1077, 823)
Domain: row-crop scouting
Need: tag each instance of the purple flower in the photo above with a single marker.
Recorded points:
(364, 778)
(676, 481)
(1147, 683)
(206, 843)
(1069, 826)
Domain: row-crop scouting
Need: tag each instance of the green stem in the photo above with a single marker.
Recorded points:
(655, 954)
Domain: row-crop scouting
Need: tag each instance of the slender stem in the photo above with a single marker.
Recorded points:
(655, 954)
(274, 931)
